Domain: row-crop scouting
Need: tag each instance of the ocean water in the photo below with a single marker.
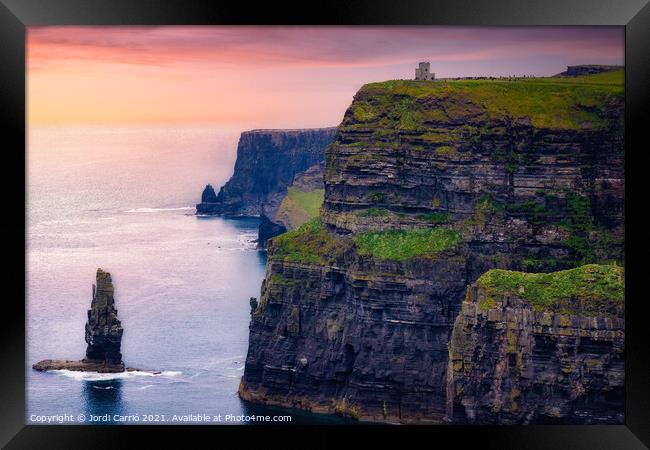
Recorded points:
(122, 199)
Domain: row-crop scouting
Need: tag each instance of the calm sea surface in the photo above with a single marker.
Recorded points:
(123, 199)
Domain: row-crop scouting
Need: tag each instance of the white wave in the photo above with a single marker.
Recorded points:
(154, 210)
(146, 386)
(96, 376)
(248, 241)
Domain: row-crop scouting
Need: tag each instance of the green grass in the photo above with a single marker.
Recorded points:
(486, 206)
(364, 112)
(310, 202)
(378, 197)
(278, 279)
(309, 244)
(374, 212)
(438, 138)
(300, 206)
(592, 288)
(534, 211)
(554, 102)
(612, 77)
(446, 150)
(402, 245)
(589, 242)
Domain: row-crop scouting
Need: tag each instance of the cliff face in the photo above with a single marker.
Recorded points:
(514, 361)
(358, 337)
(268, 230)
(427, 186)
(588, 69)
(267, 162)
(543, 180)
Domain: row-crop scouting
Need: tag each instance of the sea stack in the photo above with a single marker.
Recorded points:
(208, 200)
(103, 334)
(103, 329)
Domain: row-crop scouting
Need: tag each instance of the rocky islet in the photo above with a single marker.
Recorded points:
(103, 334)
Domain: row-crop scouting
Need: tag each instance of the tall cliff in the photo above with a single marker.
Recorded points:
(427, 186)
(267, 162)
(540, 348)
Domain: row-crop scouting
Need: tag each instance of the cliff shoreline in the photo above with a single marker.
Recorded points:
(428, 186)
(267, 163)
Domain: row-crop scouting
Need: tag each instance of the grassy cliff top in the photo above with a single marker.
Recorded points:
(553, 102)
(591, 288)
(312, 244)
(401, 245)
(308, 244)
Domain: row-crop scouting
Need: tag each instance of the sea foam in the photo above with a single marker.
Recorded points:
(96, 376)
(155, 210)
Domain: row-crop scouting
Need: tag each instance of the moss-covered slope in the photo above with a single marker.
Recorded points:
(587, 290)
(299, 206)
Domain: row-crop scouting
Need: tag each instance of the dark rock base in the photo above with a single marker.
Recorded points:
(268, 230)
(84, 365)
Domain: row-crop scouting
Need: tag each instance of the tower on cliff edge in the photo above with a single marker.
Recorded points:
(423, 72)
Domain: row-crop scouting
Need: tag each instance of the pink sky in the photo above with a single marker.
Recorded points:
(272, 76)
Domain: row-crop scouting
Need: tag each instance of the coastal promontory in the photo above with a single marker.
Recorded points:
(267, 162)
(278, 176)
(428, 186)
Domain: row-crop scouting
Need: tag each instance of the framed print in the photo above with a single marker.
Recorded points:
(363, 219)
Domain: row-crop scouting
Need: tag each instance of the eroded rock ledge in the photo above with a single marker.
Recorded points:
(79, 366)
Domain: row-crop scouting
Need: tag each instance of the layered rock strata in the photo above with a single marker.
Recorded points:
(267, 162)
(103, 329)
(513, 360)
(428, 186)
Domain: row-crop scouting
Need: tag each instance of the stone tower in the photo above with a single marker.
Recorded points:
(103, 329)
(423, 72)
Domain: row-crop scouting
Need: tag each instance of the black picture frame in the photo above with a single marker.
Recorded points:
(16, 15)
